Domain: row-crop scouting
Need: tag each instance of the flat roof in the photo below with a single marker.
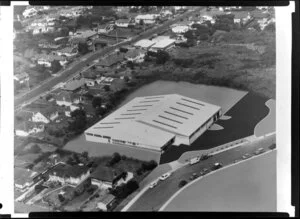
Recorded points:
(154, 120)
(145, 43)
(163, 43)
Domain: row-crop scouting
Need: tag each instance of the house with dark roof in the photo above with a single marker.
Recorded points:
(66, 98)
(106, 177)
(66, 174)
(111, 60)
(74, 85)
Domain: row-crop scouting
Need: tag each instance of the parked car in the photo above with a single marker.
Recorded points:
(193, 176)
(165, 176)
(194, 160)
(217, 166)
(153, 184)
(259, 151)
(246, 156)
(205, 171)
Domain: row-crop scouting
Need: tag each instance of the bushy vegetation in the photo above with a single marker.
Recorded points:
(124, 190)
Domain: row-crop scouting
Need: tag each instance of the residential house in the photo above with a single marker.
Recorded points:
(147, 18)
(29, 12)
(74, 85)
(45, 115)
(144, 44)
(135, 55)
(47, 59)
(241, 17)
(70, 51)
(106, 202)
(22, 77)
(23, 178)
(122, 22)
(104, 28)
(166, 13)
(84, 36)
(90, 82)
(106, 177)
(111, 60)
(163, 44)
(180, 29)
(66, 98)
(27, 128)
(66, 174)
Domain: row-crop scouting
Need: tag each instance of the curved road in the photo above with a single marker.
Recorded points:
(77, 67)
(153, 199)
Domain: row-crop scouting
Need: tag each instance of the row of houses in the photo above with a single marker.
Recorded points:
(103, 177)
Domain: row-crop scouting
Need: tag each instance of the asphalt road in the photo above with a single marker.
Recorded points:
(78, 66)
(153, 199)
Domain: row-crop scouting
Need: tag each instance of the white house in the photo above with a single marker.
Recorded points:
(122, 22)
(180, 29)
(30, 12)
(27, 128)
(135, 55)
(45, 115)
(90, 82)
(147, 18)
(22, 77)
(66, 98)
(23, 178)
(66, 174)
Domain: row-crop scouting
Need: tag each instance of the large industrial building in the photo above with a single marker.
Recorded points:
(155, 122)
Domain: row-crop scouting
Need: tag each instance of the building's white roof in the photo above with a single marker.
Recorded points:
(163, 43)
(144, 43)
(154, 120)
(180, 29)
(147, 16)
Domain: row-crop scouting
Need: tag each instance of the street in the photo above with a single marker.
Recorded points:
(153, 199)
(77, 67)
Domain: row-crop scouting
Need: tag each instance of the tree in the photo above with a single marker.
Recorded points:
(38, 188)
(126, 79)
(83, 48)
(162, 57)
(141, 22)
(182, 183)
(61, 198)
(97, 102)
(55, 66)
(115, 159)
(64, 31)
(79, 121)
(100, 111)
(106, 88)
(189, 34)
(85, 155)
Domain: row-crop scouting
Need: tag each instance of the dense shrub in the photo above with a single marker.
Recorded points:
(182, 183)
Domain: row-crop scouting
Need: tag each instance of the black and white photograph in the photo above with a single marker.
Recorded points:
(147, 108)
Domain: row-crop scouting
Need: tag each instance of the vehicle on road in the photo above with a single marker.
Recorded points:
(165, 176)
(153, 184)
(217, 166)
(246, 156)
(193, 176)
(194, 160)
(259, 151)
(205, 171)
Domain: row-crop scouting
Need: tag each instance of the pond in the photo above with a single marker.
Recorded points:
(227, 98)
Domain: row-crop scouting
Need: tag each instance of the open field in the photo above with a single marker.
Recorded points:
(247, 186)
